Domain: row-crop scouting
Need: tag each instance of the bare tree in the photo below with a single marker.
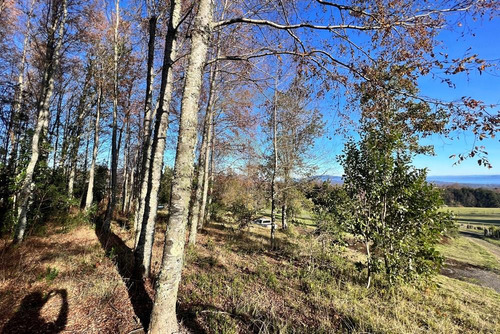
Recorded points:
(95, 149)
(52, 55)
(144, 247)
(114, 143)
(146, 140)
(163, 317)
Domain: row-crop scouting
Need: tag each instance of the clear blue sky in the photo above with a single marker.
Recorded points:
(483, 37)
(484, 40)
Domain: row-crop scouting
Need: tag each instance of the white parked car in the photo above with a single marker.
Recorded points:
(263, 221)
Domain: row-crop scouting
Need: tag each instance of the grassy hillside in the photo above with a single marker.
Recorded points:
(302, 289)
(477, 216)
(231, 283)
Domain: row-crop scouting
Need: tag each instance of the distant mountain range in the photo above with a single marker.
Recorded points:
(473, 181)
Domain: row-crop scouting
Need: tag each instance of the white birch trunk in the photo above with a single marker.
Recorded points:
(200, 173)
(146, 147)
(275, 168)
(18, 97)
(90, 188)
(42, 121)
(163, 317)
(114, 150)
(126, 151)
(199, 205)
(203, 206)
(144, 247)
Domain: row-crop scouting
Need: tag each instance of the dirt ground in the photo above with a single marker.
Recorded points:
(64, 282)
(474, 274)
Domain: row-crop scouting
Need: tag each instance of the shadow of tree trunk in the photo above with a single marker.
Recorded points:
(123, 257)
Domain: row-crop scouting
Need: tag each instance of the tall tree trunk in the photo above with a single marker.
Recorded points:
(90, 188)
(57, 126)
(130, 191)
(76, 135)
(284, 223)
(52, 63)
(197, 208)
(85, 168)
(14, 128)
(163, 317)
(206, 177)
(66, 141)
(19, 94)
(114, 144)
(126, 151)
(144, 247)
(208, 210)
(275, 168)
(146, 142)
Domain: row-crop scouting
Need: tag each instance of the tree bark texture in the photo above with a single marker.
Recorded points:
(114, 145)
(202, 171)
(144, 247)
(95, 150)
(52, 63)
(163, 317)
(146, 142)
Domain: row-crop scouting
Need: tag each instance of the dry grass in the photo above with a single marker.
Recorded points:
(62, 281)
(232, 283)
(465, 251)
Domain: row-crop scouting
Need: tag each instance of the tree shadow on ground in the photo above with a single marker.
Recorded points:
(123, 257)
(29, 320)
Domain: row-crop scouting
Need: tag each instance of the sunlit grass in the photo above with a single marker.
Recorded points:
(305, 288)
(466, 251)
(476, 216)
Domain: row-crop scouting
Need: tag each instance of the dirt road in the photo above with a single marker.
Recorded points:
(474, 274)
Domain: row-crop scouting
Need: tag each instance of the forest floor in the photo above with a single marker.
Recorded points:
(71, 281)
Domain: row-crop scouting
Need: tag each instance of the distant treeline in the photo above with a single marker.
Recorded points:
(471, 197)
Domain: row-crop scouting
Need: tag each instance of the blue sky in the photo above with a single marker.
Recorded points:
(483, 38)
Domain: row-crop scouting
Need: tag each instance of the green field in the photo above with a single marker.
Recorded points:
(475, 216)
(462, 215)
(304, 218)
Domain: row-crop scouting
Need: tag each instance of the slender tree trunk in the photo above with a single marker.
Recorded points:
(130, 191)
(144, 247)
(114, 149)
(146, 142)
(369, 263)
(19, 94)
(95, 150)
(52, 61)
(275, 169)
(126, 151)
(85, 168)
(208, 210)
(57, 125)
(76, 135)
(202, 171)
(163, 317)
(284, 224)
(66, 141)
(14, 128)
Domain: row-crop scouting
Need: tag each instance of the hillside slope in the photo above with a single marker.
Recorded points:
(232, 283)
